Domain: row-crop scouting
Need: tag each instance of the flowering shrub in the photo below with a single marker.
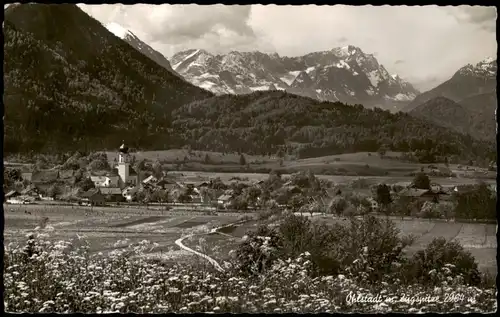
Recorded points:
(65, 278)
(439, 254)
(335, 248)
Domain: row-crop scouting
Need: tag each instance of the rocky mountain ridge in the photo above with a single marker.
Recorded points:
(345, 74)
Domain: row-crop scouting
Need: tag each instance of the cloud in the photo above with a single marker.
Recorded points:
(433, 41)
(343, 39)
(483, 17)
(181, 25)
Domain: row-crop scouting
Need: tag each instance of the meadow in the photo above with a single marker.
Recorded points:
(126, 260)
(102, 227)
(349, 164)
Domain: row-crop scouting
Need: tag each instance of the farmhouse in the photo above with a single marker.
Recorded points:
(112, 193)
(167, 184)
(92, 197)
(130, 192)
(150, 180)
(48, 176)
(421, 194)
(436, 187)
(373, 203)
(11, 195)
(224, 200)
(99, 181)
(31, 191)
(203, 184)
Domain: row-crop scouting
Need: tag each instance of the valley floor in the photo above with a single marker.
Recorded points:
(108, 229)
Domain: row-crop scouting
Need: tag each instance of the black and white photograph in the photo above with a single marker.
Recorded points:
(228, 158)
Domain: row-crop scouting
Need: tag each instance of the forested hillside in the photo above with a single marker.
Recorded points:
(71, 84)
(265, 122)
(474, 115)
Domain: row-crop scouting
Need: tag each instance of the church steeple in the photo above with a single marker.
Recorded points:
(123, 153)
(123, 163)
(123, 148)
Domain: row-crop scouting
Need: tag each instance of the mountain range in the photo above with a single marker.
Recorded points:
(139, 45)
(470, 80)
(72, 84)
(465, 103)
(345, 74)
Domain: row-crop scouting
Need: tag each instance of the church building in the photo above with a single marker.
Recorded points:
(128, 176)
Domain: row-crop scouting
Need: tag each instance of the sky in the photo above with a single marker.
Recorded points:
(425, 45)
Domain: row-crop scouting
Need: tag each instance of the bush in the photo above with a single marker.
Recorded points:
(425, 264)
(74, 280)
(333, 248)
(422, 181)
(337, 205)
(479, 203)
(258, 251)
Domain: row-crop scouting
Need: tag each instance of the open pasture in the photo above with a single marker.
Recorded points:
(190, 176)
(178, 155)
(107, 229)
(360, 163)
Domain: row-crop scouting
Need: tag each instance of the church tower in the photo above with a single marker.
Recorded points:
(123, 163)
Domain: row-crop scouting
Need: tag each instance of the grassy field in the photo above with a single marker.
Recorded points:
(190, 176)
(360, 163)
(108, 229)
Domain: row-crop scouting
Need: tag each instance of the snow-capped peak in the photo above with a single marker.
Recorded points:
(342, 73)
(118, 30)
(488, 59)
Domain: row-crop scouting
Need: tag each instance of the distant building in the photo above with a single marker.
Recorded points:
(421, 194)
(150, 180)
(224, 200)
(112, 193)
(31, 191)
(373, 204)
(127, 174)
(436, 187)
(93, 197)
(129, 192)
(11, 195)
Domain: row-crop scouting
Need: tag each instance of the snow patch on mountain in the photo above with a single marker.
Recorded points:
(118, 30)
(346, 74)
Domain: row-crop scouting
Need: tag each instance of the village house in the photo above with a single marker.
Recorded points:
(436, 187)
(421, 194)
(150, 180)
(130, 192)
(31, 191)
(224, 200)
(12, 197)
(374, 206)
(92, 197)
(112, 193)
